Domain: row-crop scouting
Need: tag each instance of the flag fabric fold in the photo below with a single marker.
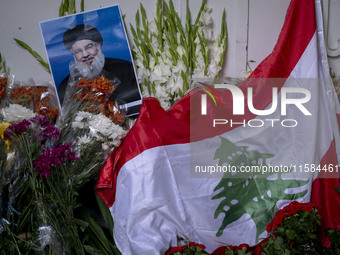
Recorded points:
(148, 183)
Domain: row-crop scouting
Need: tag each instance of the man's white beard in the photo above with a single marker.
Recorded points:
(93, 70)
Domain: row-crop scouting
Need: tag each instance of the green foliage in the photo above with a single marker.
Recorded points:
(99, 239)
(3, 67)
(242, 251)
(68, 7)
(296, 234)
(334, 237)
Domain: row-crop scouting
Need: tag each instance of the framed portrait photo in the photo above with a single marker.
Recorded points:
(93, 44)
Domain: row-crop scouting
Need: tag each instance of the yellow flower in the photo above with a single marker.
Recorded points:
(3, 127)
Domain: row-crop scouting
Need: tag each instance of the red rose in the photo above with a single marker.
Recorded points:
(175, 249)
(244, 245)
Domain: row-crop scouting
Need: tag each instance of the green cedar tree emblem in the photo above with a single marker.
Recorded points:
(253, 195)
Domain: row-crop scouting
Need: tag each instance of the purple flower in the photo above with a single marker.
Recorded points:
(43, 168)
(16, 129)
(40, 119)
(49, 131)
(53, 156)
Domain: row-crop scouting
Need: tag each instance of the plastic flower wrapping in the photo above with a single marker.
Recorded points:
(93, 95)
(23, 100)
(46, 158)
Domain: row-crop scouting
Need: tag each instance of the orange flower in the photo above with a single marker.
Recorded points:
(100, 84)
(103, 85)
(94, 98)
(3, 81)
(23, 95)
(111, 111)
(3, 84)
(2, 91)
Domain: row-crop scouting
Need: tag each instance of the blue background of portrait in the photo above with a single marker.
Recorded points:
(109, 23)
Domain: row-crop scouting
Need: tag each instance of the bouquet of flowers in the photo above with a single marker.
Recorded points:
(28, 96)
(95, 98)
(168, 55)
(92, 95)
(46, 161)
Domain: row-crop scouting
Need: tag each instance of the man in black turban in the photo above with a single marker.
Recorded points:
(84, 42)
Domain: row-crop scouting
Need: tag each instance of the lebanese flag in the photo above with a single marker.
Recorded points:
(165, 180)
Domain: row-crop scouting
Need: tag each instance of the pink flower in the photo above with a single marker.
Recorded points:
(16, 129)
(53, 156)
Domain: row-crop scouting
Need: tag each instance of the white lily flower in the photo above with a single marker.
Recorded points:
(165, 59)
(142, 74)
(165, 103)
(180, 50)
(152, 27)
(161, 92)
(156, 77)
(198, 73)
(179, 68)
(213, 70)
(152, 63)
(154, 43)
(178, 84)
(200, 64)
(206, 18)
(208, 34)
(167, 51)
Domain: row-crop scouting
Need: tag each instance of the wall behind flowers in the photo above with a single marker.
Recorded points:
(253, 29)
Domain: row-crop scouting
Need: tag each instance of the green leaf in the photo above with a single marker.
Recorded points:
(198, 17)
(144, 18)
(287, 252)
(72, 7)
(290, 234)
(305, 214)
(66, 5)
(61, 9)
(134, 34)
(82, 224)
(103, 243)
(82, 6)
(280, 229)
(34, 54)
(313, 236)
(3, 67)
(105, 213)
(91, 250)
